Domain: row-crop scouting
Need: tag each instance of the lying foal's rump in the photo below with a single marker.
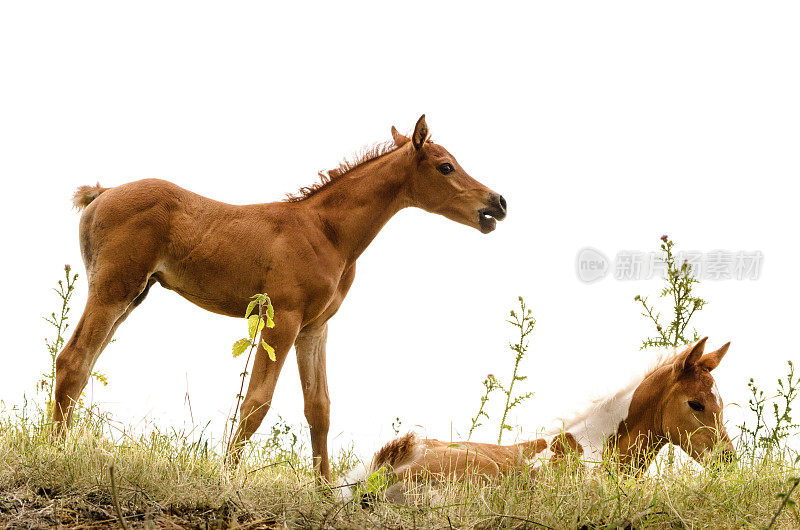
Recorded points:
(410, 460)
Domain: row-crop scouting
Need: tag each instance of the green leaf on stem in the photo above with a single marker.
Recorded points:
(240, 346)
(270, 350)
(254, 325)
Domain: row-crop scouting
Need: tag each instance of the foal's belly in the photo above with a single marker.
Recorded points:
(215, 298)
(220, 268)
(227, 292)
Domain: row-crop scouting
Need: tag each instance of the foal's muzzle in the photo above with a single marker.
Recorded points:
(494, 211)
(721, 458)
(726, 456)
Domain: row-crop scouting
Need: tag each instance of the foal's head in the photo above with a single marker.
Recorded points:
(440, 185)
(688, 404)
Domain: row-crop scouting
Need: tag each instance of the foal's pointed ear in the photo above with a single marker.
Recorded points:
(399, 139)
(420, 133)
(693, 354)
(711, 360)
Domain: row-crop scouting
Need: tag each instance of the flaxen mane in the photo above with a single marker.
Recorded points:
(367, 154)
(661, 357)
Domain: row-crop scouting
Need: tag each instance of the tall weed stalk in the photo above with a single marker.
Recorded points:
(524, 323)
(679, 290)
(59, 320)
(768, 433)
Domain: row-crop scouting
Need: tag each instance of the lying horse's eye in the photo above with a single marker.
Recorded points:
(696, 405)
(445, 168)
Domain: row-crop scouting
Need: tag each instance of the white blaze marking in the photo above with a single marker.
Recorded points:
(715, 391)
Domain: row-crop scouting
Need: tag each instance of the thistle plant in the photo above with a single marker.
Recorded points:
(489, 386)
(256, 322)
(524, 322)
(59, 320)
(679, 286)
(756, 404)
(782, 408)
(397, 424)
(60, 323)
(771, 434)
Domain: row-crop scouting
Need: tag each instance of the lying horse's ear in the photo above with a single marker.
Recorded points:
(692, 355)
(399, 139)
(420, 133)
(711, 360)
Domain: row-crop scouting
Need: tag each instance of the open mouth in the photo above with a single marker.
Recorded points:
(487, 219)
(495, 210)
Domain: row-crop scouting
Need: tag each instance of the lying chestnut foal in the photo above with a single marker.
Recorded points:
(676, 401)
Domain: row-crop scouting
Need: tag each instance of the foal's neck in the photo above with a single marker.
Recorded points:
(627, 423)
(639, 438)
(596, 425)
(353, 208)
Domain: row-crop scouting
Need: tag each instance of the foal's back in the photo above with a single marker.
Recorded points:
(213, 253)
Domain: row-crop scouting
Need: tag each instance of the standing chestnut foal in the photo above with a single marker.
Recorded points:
(301, 251)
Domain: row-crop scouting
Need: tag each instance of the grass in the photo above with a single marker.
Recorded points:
(105, 476)
(168, 479)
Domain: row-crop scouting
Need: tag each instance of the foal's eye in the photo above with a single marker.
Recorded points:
(445, 168)
(696, 405)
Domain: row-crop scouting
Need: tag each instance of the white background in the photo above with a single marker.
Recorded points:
(603, 124)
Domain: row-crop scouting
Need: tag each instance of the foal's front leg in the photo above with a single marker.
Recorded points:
(310, 349)
(263, 379)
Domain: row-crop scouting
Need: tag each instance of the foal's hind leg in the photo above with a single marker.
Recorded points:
(101, 318)
(310, 349)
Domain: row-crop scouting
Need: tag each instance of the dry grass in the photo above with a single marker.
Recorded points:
(164, 480)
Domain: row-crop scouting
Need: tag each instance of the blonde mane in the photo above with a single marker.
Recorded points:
(661, 357)
(364, 155)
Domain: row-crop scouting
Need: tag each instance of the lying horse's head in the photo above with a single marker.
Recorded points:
(692, 410)
(683, 405)
(440, 185)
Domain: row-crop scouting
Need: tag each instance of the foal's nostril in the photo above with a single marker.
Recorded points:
(495, 207)
(498, 202)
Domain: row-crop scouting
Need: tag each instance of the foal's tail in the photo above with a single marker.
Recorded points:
(86, 194)
(395, 455)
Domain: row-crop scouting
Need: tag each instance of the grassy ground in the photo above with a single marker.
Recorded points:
(164, 480)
